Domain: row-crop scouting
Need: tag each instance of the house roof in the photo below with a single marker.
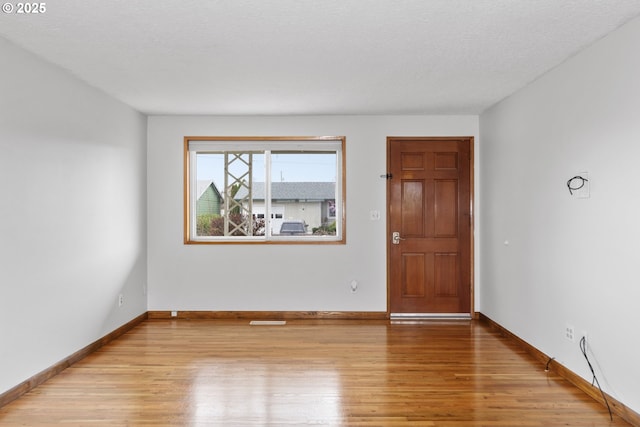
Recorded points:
(293, 191)
(202, 185)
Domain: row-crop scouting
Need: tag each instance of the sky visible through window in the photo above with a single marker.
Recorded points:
(285, 167)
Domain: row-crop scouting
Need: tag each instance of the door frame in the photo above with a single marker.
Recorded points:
(426, 139)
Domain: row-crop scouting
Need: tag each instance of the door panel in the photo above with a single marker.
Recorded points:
(412, 211)
(446, 208)
(446, 274)
(444, 161)
(429, 196)
(413, 280)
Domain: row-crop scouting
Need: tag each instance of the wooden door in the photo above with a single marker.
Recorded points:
(429, 196)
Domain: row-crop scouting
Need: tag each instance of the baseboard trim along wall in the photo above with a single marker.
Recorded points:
(270, 315)
(617, 407)
(39, 378)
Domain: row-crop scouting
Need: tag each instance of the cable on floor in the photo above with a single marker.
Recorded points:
(546, 368)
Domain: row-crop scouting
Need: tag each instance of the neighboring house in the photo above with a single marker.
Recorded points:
(209, 200)
(311, 202)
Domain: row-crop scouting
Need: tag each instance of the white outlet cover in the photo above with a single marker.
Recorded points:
(569, 333)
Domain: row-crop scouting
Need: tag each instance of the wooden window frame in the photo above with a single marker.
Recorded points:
(340, 239)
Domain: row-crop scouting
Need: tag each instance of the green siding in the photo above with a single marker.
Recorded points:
(208, 203)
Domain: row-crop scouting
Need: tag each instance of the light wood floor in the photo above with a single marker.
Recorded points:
(325, 373)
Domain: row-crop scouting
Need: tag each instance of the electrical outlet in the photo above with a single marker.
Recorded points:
(353, 285)
(174, 314)
(120, 300)
(570, 333)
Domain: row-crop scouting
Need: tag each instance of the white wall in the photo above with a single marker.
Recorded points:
(569, 260)
(73, 212)
(278, 277)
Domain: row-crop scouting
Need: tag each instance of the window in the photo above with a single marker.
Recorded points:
(264, 189)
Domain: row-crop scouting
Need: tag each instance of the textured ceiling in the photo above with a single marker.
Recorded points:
(313, 57)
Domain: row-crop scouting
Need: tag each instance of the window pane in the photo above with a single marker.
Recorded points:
(214, 182)
(303, 188)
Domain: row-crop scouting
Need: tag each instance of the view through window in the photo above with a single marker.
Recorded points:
(264, 189)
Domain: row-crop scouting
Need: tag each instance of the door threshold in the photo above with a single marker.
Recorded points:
(429, 316)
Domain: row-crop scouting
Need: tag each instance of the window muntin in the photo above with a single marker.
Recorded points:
(273, 182)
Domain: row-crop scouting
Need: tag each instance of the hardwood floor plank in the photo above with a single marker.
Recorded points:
(327, 373)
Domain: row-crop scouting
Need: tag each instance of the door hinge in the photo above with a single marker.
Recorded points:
(386, 176)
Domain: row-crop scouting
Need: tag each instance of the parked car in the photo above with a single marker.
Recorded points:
(293, 227)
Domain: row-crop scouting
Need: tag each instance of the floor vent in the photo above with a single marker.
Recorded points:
(268, 322)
